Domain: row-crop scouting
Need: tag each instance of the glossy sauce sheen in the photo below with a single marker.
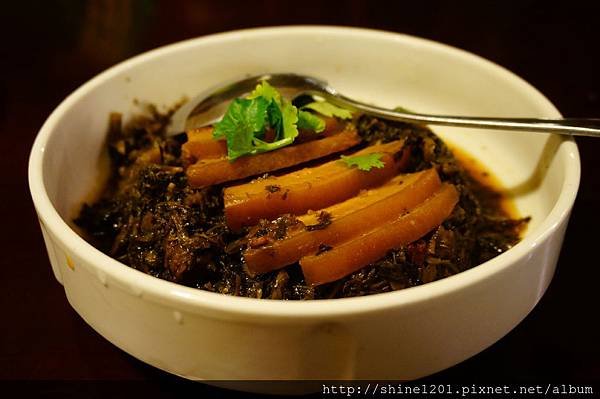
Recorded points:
(490, 185)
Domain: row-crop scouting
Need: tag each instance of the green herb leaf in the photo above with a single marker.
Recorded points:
(328, 109)
(244, 118)
(402, 109)
(265, 90)
(283, 120)
(289, 115)
(309, 121)
(263, 146)
(364, 162)
(275, 117)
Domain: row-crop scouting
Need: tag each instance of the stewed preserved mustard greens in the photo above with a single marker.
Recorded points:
(398, 210)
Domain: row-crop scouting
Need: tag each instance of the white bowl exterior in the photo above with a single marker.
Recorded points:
(400, 335)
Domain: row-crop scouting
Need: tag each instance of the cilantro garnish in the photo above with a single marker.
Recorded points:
(265, 90)
(364, 162)
(243, 120)
(309, 121)
(246, 120)
(328, 109)
(289, 115)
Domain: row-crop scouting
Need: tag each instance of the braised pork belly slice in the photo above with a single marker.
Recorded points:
(346, 220)
(309, 188)
(207, 172)
(346, 258)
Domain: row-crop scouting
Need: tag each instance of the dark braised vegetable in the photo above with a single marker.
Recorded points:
(151, 219)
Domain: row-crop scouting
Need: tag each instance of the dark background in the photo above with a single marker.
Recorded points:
(50, 48)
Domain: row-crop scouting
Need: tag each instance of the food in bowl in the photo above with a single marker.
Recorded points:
(294, 200)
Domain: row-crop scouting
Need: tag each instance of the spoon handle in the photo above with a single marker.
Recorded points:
(569, 126)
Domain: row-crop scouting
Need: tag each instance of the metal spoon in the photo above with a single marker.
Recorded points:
(209, 106)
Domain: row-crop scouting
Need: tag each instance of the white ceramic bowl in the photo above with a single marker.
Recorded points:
(399, 335)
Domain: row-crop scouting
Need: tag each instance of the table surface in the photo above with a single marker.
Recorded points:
(54, 47)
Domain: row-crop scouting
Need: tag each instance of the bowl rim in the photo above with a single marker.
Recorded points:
(192, 299)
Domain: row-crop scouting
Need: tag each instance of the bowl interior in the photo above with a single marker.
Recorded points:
(381, 68)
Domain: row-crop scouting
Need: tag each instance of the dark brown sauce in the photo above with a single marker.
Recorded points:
(488, 182)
